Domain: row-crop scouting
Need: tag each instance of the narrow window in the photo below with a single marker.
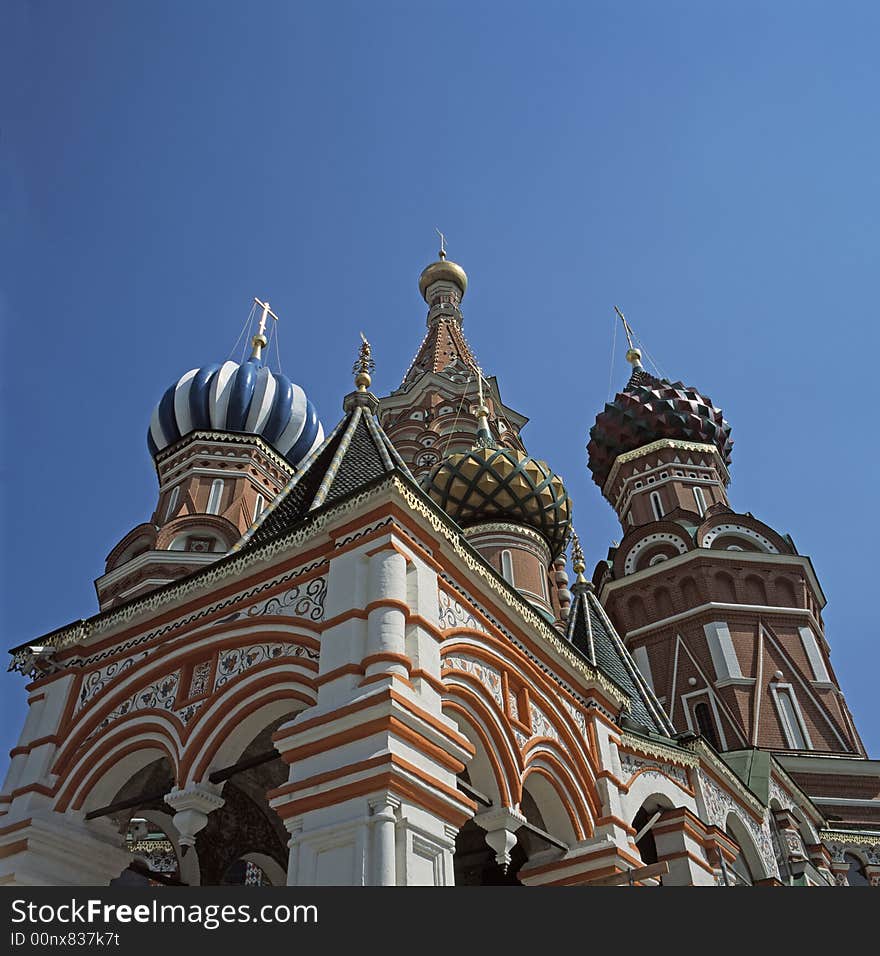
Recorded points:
(791, 721)
(814, 655)
(700, 500)
(507, 566)
(258, 507)
(215, 496)
(172, 502)
(705, 724)
(657, 505)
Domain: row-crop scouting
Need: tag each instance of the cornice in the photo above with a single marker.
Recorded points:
(660, 444)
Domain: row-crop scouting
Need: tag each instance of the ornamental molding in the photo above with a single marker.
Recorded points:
(839, 841)
(589, 673)
(453, 614)
(633, 765)
(488, 676)
(654, 446)
(720, 804)
(242, 596)
(236, 661)
(658, 537)
(661, 752)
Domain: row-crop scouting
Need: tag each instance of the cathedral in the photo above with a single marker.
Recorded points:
(359, 657)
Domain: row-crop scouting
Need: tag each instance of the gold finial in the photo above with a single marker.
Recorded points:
(364, 365)
(578, 565)
(633, 355)
(259, 341)
(442, 243)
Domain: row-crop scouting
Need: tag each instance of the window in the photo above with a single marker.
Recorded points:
(215, 496)
(657, 505)
(507, 566)
(700, 500)
(657, 559)
(789, 715)
(724, 658)
(173, 498)
(258, 507)
(814, 655)
(705, 724)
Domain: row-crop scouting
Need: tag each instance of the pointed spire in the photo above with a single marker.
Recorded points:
(578, 564)
(362, 380)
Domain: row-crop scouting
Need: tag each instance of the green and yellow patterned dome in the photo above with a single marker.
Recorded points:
(502, 484)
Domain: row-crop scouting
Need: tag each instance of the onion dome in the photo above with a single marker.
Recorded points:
(443, 270)
(502, 484)
(246, 398)
(650, 409)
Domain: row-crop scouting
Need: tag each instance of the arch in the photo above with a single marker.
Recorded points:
(786, 596)
(558, 797)
(99, 771)
(187, 864)
(487, 770)
(234, 717)
(690, 592)
(737, 830)
(636, 611)
(663, 602)
(726, 587)
(215, 497)
(756, 590)
(646, 844)
(271, 868)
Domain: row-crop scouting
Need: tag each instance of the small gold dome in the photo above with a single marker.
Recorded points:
(445, 270)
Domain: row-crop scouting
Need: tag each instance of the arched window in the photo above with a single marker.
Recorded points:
(507, 566)
(173, 498)
(789, 716)
(657, 505)
(700, 500)
(705, 724)
(215, 496)
(258, 507)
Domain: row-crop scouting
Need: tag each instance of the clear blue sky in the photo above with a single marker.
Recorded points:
(713, 168)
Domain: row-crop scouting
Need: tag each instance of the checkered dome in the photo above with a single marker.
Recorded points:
(500, 484)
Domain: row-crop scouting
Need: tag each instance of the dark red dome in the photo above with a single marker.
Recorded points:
(650, 409)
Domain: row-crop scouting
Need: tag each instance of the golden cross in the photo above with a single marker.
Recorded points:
(442, 243)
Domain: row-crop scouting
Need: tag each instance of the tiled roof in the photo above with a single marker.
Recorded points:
(590, 631)
(356, 453)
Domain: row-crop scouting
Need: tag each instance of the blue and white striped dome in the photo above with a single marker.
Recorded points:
(238, 398)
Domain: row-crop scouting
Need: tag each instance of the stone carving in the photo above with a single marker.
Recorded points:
(541, 726)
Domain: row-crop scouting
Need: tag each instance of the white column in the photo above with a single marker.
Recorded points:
(386, 626)
(384, 822)
(294, 828)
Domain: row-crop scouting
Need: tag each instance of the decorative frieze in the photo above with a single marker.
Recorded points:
(632, 764)
(240, 659)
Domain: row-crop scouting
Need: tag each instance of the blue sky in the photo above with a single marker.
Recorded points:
(712, 168)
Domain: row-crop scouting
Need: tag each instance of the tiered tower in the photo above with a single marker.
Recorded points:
(225, 439)
(450, 426)
(721, 612)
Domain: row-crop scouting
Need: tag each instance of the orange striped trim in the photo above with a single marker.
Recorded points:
(15, 826)
(387, 658)
(13, 848)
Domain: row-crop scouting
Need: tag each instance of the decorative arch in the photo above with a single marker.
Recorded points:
(565, 794)
(97, 772)
(736, 829)
(235, 716)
